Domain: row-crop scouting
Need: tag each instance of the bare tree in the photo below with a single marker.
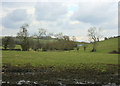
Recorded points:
(37, 44)
(94, 36)
(98, 34)
(59, 35)
(42, 32)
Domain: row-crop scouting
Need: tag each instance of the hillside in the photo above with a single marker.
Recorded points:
(108, 45)
(104, 46)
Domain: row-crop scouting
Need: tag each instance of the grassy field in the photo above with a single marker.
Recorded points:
(104, 46)
(63, 58)
(57, 58)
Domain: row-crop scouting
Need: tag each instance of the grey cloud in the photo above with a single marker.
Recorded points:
(15, 19)
(50, 11)
(95, 13)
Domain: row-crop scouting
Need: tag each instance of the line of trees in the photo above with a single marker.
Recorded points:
(61, 42)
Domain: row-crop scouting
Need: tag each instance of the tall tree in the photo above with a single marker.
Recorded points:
(94, 36)
(23, 36)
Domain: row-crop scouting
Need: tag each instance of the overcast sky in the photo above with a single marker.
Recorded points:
(70, 18)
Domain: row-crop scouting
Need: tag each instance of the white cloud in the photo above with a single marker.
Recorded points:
(75, 22)
(31, 11)
(82, 38)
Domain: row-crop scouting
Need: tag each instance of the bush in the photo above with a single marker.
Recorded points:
(8, 42)
(59, 45)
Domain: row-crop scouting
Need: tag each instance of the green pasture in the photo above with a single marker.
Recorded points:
(63, 58)
(105, 46)
(57, 58)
